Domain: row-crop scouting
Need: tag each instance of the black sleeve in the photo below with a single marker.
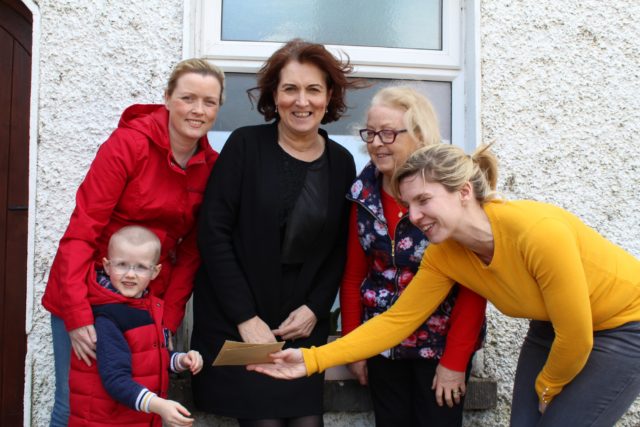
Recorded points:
(218, 219)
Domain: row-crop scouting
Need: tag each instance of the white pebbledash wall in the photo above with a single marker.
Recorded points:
(560, 98)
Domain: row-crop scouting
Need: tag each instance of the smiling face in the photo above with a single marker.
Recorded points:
(193, 107)
(387, 157)
(434, 210)
(301, 98)
(131, 267)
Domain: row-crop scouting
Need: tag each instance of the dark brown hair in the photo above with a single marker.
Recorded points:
(334, 70)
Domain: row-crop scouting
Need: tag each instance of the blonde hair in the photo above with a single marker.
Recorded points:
(198, 66)
(136, 235)
(420, 117)
(450, 166)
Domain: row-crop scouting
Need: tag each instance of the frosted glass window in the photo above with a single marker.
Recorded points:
(408, 24)
(237, 111)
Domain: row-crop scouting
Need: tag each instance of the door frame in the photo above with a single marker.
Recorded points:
(31, 220)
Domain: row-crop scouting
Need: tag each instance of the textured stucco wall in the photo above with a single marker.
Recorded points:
(97, 57)
(560, 98)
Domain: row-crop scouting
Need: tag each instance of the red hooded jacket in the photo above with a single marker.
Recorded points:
(133, 180)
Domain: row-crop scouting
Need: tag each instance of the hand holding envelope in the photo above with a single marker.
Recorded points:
(242, 353)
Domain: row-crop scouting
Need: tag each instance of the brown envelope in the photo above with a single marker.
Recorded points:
(241, 353)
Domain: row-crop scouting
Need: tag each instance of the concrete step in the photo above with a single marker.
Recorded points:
(346, 395)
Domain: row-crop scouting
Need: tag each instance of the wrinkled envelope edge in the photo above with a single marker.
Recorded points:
(232, 354)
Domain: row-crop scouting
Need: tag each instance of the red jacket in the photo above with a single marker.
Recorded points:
(133, 180)
(90, 403)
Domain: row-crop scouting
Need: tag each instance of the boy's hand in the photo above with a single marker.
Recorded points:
(172, 413)
(169, 340)
(192, 360)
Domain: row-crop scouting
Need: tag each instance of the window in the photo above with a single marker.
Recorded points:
(317, 20)
(428, 44)
(374, 33)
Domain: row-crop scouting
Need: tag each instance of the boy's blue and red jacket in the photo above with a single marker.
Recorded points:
(140, 360)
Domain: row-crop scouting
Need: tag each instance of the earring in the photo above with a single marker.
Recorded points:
(276, 108)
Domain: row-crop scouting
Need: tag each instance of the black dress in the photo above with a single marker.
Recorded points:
(245, 273)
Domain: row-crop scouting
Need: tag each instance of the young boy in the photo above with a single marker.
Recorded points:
(128, 384)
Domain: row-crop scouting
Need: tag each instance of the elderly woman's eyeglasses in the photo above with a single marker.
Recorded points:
(387, 136)
(124, 268)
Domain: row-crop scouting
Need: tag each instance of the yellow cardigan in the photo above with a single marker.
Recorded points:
(547, 265)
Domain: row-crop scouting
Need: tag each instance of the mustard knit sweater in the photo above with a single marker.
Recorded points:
(547, 265)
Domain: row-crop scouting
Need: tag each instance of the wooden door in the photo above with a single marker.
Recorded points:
(15, 83)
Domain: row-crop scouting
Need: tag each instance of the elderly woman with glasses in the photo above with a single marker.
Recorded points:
(384, 252)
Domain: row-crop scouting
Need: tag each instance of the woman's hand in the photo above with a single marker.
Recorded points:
(449, 386)
(287, 365)
(256, 331)
(299, 324)
(359, 370)
(83, 342)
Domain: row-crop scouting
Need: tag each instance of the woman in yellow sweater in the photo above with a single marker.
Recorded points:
(580, 362)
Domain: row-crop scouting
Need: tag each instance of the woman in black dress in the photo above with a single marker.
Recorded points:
(272, 236)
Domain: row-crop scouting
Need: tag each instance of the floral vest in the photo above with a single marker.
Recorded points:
(394, 260)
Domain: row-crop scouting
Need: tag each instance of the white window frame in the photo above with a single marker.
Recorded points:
(460, 27)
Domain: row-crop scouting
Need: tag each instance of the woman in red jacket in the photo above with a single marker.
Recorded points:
(384, 253)
(151, 171)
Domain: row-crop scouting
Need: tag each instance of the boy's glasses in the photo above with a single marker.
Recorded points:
(139, 269)
(387, 136)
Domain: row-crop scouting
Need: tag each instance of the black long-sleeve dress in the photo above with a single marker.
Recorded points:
(272, 236)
